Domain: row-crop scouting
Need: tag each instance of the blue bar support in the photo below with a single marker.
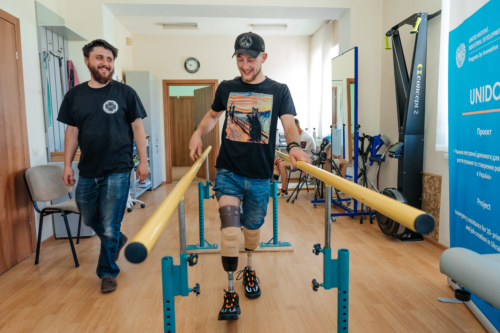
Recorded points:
(336, 275)
(274, 242)
(174, 283)
(203, 194)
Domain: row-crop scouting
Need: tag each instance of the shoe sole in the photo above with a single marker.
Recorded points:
(230, 316)
(253, 296)
(108, 290)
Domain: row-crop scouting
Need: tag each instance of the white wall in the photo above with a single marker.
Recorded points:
(24, 10)
(108, 25)
(345, 32)
(287, 62)
(124, 61)
(366, 33)
(86, 18)
(394, 12)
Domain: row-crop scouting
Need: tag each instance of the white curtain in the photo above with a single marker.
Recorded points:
(320, 96)
(442, 120)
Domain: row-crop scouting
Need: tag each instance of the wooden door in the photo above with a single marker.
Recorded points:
(15, 211)
(202, 103)
(334, 107)
(182, 127)
(350, 120)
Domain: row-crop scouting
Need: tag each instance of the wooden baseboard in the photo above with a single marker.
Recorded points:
(47, 241)
(436, 244)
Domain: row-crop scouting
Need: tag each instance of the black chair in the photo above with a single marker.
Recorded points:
(45, 183)
(300, 185)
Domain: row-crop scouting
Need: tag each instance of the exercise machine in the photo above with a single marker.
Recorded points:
(368, 157)
(380, 145)
(410, 103)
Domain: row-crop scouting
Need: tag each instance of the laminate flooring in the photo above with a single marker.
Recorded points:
(394, 286)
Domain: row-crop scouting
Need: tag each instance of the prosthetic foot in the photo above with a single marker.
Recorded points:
(231, 306)
(250, 280)
(230, 248)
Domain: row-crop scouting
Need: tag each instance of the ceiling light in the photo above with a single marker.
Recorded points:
(180, 25)
(269, 26)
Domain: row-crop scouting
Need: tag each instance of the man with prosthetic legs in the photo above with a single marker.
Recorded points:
(254, 104)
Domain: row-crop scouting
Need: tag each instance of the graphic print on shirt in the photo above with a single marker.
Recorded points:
(110, 107)
(248, 117)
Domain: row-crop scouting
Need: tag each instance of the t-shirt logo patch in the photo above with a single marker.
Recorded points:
(248, 117)
(110, 107)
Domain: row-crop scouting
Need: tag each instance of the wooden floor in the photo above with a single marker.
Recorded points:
(394, 286)
(179, 172)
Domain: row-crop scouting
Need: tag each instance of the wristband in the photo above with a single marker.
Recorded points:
(292, 145)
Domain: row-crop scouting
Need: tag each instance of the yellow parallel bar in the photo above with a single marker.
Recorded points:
(410, 217)
(146, 238)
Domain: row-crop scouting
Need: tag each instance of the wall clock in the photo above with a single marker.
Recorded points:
(192, 65)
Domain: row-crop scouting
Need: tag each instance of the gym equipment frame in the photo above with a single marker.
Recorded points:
(410, 103)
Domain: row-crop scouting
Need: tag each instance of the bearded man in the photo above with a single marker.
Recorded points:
(104, 117)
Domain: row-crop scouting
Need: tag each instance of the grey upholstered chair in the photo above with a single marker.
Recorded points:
(45, 183)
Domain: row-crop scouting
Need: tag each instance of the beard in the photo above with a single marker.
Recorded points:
(102, 79)
(256, 72)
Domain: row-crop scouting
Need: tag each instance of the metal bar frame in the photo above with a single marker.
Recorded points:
(274, 242)
(203, 194)
(335, 271)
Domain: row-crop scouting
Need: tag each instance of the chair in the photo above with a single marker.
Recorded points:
(302, 182)
(45, 183)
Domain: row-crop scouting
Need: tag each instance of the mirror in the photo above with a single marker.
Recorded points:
(344, 102)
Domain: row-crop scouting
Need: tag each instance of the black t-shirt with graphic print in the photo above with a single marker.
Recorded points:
(103, 117)
(249, 132)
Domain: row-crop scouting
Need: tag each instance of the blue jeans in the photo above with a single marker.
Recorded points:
(254, 194)
(102, 202)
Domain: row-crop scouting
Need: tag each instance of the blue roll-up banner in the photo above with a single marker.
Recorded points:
(474, 137)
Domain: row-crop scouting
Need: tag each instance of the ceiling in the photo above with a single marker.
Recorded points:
(222, 20)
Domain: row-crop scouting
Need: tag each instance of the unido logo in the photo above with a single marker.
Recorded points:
(460, 56)
(484, 93)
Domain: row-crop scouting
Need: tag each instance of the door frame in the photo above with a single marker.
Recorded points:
(350, 81)
(17, 26)
(166, 119)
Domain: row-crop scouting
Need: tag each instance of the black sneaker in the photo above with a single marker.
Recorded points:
(282, 194)
(250, 282)
(231, 307)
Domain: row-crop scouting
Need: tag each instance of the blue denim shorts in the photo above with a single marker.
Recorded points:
(253, 193)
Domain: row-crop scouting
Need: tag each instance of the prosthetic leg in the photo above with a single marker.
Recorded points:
(250, 280)
(230, 248)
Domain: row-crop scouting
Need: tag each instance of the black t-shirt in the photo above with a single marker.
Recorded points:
(249, 132)
(103, 117)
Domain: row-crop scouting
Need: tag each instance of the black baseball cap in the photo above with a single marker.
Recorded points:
(250, 44)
